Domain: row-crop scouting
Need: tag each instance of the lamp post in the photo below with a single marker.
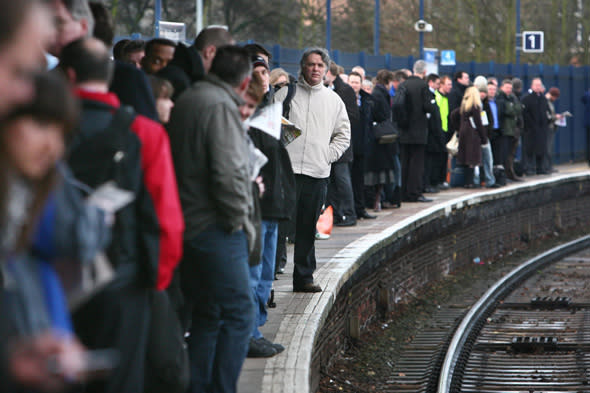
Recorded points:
(329, 25)
(518, 35)
(376, 29)
(157, 16)
(421, 32)
(199, 16)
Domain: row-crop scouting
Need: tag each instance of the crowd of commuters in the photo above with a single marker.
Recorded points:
(143, 221)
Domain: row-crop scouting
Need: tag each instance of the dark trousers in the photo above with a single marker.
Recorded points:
(412, 157)
(531, 160)
(500, 149)
(117, 318)
(435, 168)
(357, 176)
(340, 193)
(588, 144)
(311, 195)
(512, 146)
(548, 162)
(281, 257)
(216, 282)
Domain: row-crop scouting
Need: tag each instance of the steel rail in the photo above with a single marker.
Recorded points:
(467, 329)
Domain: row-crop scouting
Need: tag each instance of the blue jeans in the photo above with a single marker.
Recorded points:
(215, 280)
(487, 162)
(263, 274)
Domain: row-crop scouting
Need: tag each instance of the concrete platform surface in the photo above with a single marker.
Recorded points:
(298, 316)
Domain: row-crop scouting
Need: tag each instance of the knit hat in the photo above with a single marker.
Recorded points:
(259, 61)
(481, 83)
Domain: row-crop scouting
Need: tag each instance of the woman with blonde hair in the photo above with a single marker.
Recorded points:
(472, 135)
(279, 78)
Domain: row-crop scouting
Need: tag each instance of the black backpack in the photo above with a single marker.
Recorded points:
(103, 154)
(401, 107)
(105, 149)
(292, 87)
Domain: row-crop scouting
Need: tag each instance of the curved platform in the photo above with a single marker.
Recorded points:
(301, 321)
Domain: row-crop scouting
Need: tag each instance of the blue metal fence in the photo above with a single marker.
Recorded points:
(570, 141)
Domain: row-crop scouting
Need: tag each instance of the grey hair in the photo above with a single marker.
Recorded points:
(81, 10)
(317, 51)
(420, 67)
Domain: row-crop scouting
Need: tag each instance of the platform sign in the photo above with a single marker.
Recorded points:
(533, 41)
(447, 58)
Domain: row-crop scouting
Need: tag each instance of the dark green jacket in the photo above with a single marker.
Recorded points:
(509, 110)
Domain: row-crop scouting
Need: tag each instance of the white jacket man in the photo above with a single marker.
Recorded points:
(322, 117)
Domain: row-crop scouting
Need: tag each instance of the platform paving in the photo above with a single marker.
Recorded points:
(298, 316)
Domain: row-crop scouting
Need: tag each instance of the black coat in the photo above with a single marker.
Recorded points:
(422, 102)
(278, 200)
(132, 87)
(347, 95)
(381, 155)
(456, 96)
(361, 139)
(185, 68)
(536, 122)
(436, 142)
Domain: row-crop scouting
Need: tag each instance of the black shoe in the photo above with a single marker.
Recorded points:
(345, 222)
(495, 185)
(278, 347)
(364, 214)
(431, 190)
(310, 287)
(421, 198)
(443, 186)
(258, 348)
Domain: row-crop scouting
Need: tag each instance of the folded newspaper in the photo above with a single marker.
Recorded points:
(289, 131)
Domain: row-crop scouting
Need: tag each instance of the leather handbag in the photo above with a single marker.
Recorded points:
(453, 145)
(385, 132)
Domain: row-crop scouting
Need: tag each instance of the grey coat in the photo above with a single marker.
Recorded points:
(210, 153)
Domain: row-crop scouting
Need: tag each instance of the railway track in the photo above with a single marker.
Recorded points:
(530, 332)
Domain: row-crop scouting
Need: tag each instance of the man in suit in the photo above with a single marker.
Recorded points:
(340, 194)
(413, 139)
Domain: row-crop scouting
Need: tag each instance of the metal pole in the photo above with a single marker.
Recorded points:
(158, 16)
(518, 36)
(199, 16)
(421, 33)
(329, 25)
(376, 29)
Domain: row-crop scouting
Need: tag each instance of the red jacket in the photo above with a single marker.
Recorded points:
(160, 181)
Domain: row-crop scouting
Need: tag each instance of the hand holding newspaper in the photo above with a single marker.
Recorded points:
(270, 121)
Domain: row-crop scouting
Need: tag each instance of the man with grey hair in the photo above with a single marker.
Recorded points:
(420, 103)
(322, 117)
(74, 20)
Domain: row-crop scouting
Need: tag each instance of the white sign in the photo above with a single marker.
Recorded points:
(430, 59)
(533, 41)
(173, 31)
